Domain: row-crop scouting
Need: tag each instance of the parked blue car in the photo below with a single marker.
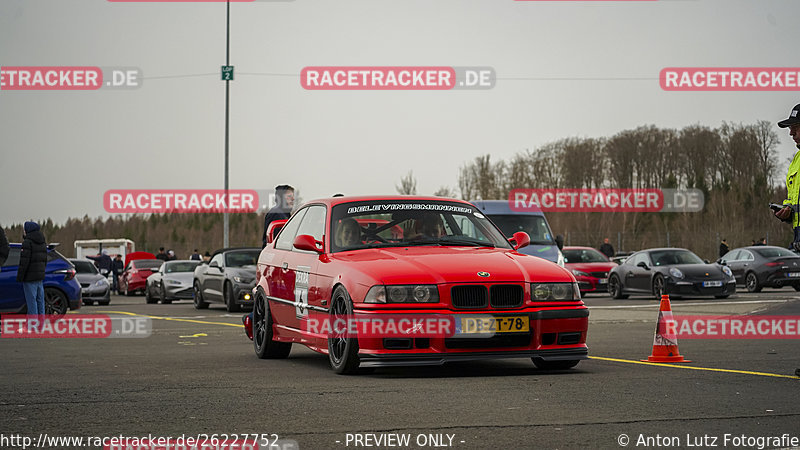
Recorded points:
(61, 290)
(543, 243)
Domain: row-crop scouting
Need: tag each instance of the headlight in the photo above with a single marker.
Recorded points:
(242, 279)
(579, 273)
(101, 282)
(423, 293)
(554, 292)
(173, 282)
(675, 272)
(727, 271)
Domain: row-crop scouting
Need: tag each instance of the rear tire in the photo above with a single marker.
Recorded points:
(555, 365)
(658, 286)
(751, 282)
(615, 288)
(55, 302)
(342, 349)
(198, 297)
(263, 344)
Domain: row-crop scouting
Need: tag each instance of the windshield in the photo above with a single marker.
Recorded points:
(535, 226)
(671, 257)
(183, 266)
(397, 223)
(242, 258)
(584, 256)
(774, 252)
(148, 264)
(84, 267)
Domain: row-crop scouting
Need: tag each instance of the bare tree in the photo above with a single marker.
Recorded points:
(408, 184)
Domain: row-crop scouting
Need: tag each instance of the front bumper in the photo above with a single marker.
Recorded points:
(96, 294)
(554, 334)
(243, 293)
(179, 291)
(592, 284)
(690, 288)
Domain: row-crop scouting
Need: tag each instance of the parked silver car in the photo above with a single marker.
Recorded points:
(94, 286)
(173, 281)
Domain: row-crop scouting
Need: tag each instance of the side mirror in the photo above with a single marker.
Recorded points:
(722, 262)
(275, 228)
(307, 242)
(643, 265)
(520, 239)
(560, 241)
(215, 265)
(706, 261)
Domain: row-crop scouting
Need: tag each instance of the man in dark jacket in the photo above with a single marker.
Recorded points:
(117, 267)
(32, 264)
(103, 262)
(723, 248)
(606, 248)
(284, 199)
(4, 249)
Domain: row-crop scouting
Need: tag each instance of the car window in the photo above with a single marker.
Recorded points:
(730, 256)
(775, 252)
(289, 231)
(584, 256)
(672, 257)
(218, 259)
(84, 267)
(313, 223)
(636, 259)
(13, 257)
(535, 226)
(183, 266)
(241, 258)
(745, 255)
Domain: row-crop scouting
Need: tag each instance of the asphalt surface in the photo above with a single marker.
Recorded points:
(197, 374)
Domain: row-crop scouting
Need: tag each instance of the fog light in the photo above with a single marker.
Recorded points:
(247, 296)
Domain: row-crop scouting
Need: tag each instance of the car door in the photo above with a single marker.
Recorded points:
(281, 277)
(305, 267)
(745, 261)
(11, 295)
(215, 276)
(638, 278)
(731, 260)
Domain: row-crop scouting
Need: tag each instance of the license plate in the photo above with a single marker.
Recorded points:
(602, 281)
(793, 274)
(712, 283)
(491, 325)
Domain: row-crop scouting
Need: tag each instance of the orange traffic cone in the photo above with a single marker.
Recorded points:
(665, 342)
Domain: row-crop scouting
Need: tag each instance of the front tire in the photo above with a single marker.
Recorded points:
(751, 282)
(342, 349)
(554, 365)
(198, 297)
(230, 301)
(615, 288)
(263, 344)
(148, 297)
(163, 296)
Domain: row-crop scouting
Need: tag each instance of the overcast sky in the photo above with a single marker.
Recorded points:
(564, 68)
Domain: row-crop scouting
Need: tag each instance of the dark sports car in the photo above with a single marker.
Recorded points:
(229, 278)
(674, 271)
(759, 266)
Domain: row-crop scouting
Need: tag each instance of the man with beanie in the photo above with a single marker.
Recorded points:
(284, 202)
(791, 206)
(32, 264)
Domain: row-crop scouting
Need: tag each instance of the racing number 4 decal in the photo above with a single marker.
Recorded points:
(301, 291)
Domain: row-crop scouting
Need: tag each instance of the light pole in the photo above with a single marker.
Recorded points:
(225, 242)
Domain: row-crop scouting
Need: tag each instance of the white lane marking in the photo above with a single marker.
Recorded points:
(679, 303)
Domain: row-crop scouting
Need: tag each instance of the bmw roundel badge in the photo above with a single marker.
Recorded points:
(483, 274)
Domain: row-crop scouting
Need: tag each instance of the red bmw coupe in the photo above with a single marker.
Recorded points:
(393, 281)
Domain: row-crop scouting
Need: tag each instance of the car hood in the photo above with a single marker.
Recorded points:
(244, 271)
(698, 271)
(450, 264)
(591, 267)
(88, 277)
(183, 277)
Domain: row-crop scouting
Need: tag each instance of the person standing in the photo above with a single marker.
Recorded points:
(790, 211)
(284, 202)
(4, 248)
(195, 256)
(607, 249)
(162, 255)
(117, 267)
(171, 256)
(103, 262)
(32, 265)
(723, 248)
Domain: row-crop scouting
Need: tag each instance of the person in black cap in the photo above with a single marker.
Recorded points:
(162, 255)
(790, 209)
(284, 199)
(791, 206)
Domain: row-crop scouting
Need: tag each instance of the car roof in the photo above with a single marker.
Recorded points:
(333, 201)
(502, 207)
